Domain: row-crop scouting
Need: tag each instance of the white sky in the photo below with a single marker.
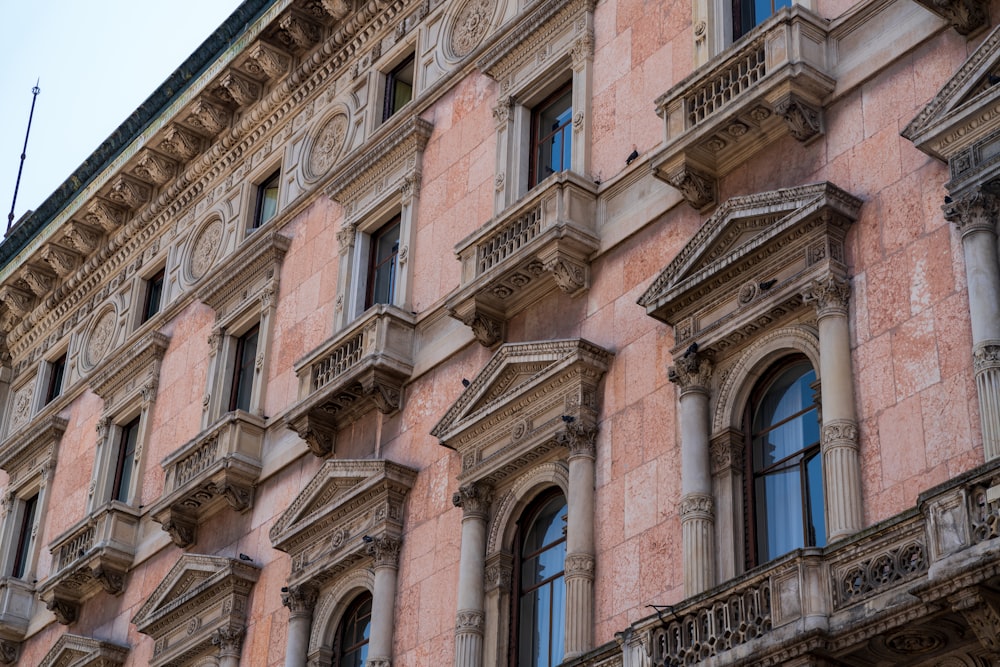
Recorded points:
(97, 60)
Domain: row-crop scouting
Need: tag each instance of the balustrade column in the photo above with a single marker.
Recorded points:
(839, 438)
(474, 499)
(385, 552)
(692, 373)
(580, 439)
(230, 643)
(975, 214)
(300, 601)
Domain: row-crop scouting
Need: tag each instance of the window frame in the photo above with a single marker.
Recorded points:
(348, 621)
(55, 378)
(535, 161)
(149, 289)
(241, 365)
(26, 527)
(261, 189)
(375, 263)
(390, 77)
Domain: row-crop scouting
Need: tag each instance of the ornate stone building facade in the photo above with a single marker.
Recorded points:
(519, 332)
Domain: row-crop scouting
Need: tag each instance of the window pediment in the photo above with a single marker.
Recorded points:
(250, 273)
(750, 261)
(326, 529)
(84, 652)
(137, 368)
(200, 597)
(961, 125)
(520, 405)
(27, 454)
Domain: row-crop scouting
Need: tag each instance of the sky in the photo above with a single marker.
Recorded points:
(96, 62)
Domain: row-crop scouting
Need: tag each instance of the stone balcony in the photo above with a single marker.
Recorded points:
(17, 599)
(218, 468)
(772, 83)
(362, 367)
(93, 555)
(543, 242)
(922, 588)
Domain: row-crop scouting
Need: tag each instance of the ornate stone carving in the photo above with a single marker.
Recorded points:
(154, 168)
(692, 371)
(64, 610)
(965, 16)
(205, 248)
(973, 211)
(229, 640)
(82, 237)
(470, 620)
(569, 276)
(238, 89)
(8, 652)
(129, 192)
(697, 506)
(487, 330)
(503, 109)
(840, 433)
(62, 260)
(981, 608)
(498, 576)
(328, 145)
(298, 31)
(104, 214)
(580, 439)
(300, 599)
(99, 339)
(265, 60)
(471, 23)
(804, 120)
(579, 565)
(180, 143)
(345, 238)
(40, 280)
(829, 295)
(181, 528)
(726, 452)
(384, 550)
(338, 9)
(474, 499)
(582, 49)
(986, 355)
(207, 117)
(20, 302)
(698, 189)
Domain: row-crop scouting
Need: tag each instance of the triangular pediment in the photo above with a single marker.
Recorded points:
(516, 371)
(77, 651)
(745, 232)
(967, 107)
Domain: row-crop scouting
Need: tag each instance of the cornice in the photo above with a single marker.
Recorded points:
(27, 451)
(262, 257)
(82, 651)
(129, 364)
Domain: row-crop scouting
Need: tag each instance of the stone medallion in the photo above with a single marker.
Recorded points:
(99, 340)
(328, 146)
(470, 25)
(205, 248)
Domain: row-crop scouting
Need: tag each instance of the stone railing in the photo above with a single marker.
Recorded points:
(93, 555)
(775, 84)
(220, 467)
(543, 242)
(360, 368)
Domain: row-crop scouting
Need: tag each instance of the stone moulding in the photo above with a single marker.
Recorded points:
(747, 266)
(134, 369)
(84, 652)
(349, 503)
(252, 269)
(739, 102)
(26, 453)
(219, 467)
(17, 601)
(520, 406)
(543, 243)
(360, 368)
(93, 555)
(200, 597)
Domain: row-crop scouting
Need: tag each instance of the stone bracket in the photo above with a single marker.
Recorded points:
(965, 16)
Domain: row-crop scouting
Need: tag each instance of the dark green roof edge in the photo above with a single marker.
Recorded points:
(203, 57)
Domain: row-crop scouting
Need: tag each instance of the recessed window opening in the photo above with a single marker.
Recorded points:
(551, 135)
(749, 13)
(57, 372)
(125, 461)
(243, 369)
(267, 200)
(154, 293)
(28, 508)
(354, 632)
(398, 88)
(382, 262)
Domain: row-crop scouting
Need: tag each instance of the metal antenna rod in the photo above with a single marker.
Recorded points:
(24, 151)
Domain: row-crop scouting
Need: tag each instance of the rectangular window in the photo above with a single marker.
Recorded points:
(57, 371)
(749, 13)
(382, 264)
(23, 552)
(154, 293)
(243, 370)
(551, 136)
(125, 461)
(398, 88)
(267, 200)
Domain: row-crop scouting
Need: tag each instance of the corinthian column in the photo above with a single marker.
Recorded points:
(839, 439)
(384, 551)
(300, 601)
(474, 499)
(578, 574)
(230, 643)
(692, 373)
(975, 215)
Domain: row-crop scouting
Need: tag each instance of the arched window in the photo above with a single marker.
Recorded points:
(352, 638)
(541, 592)
(785, 484)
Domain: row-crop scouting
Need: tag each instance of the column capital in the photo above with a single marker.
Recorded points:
(986, 355)
(229, 640)
(974, 211)
(691, 372)
(697, 506)
(840, 433)
(300, 599)
(579, 565)
(470, 620)
(828, 295)
(499, 572)
(580, 439)
(385, 551)
(474, 499)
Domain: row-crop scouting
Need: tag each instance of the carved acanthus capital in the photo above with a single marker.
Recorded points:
(697, 506)
(726, 452)
(579, 565)
(470, 620)
(981, 609)
(579, 438)
(965, 16)
(345, 238)
(569, 276)
(229, 640)
(498, 575)
(384, 550)
(582, 50)
(502, 111)
(698, 189)
(487, 330)
(974, 211)
(691, 372)
(840, 433)
(474, 499)
(986, 356)
(829, 295)
(64, 610)
(300, 599)
(804, 120)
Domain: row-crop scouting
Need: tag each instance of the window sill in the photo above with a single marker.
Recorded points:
(543, 242)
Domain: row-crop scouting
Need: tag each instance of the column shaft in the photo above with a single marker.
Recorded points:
(300, 601)
(383, 602)
(474, 499)
(579, 567)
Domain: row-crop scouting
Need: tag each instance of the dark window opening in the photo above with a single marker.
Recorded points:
(354, 632)
(28, 509)
(267, 200)
(551, 136)
(243, 370)
(57, 372)
(382, 264)
(154, 292)
(749, 13)
(398, 88)
(125, 461)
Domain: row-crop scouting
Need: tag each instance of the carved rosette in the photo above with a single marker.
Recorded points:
(99, 340)
(974, 211)
(829, 296)
(698, 189)
(840, 433)
(300, 600)
(986, 356)
(204, 249)
(384, 550)
(804, 120)
(691, 372)
(229, 640)
(579, 439)
(471, 23)
(697, 506)
(579, 566)
(475, 500)
(329, 144)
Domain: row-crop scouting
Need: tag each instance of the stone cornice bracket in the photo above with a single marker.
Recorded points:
(981, 608)
(338, 9)
(804, 120)
(208, 118)
(697, 506)
(319, 433)
(64, 610)
(829, 295)
(974, 211)
(180, 143)
(296, 30)
(238, 89)
(62, 260)
(19, 302)
(82, 237)
(691, 372)
(264, 60)
(579, 438)
(384, 550)
(965, 16)
(154, 168)
(487, 328)
(128, 192)
(181, 528)
(697, 188)
(300, 599)
(571, 277)
(105, 215)
(986, 356)
(475, 500)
